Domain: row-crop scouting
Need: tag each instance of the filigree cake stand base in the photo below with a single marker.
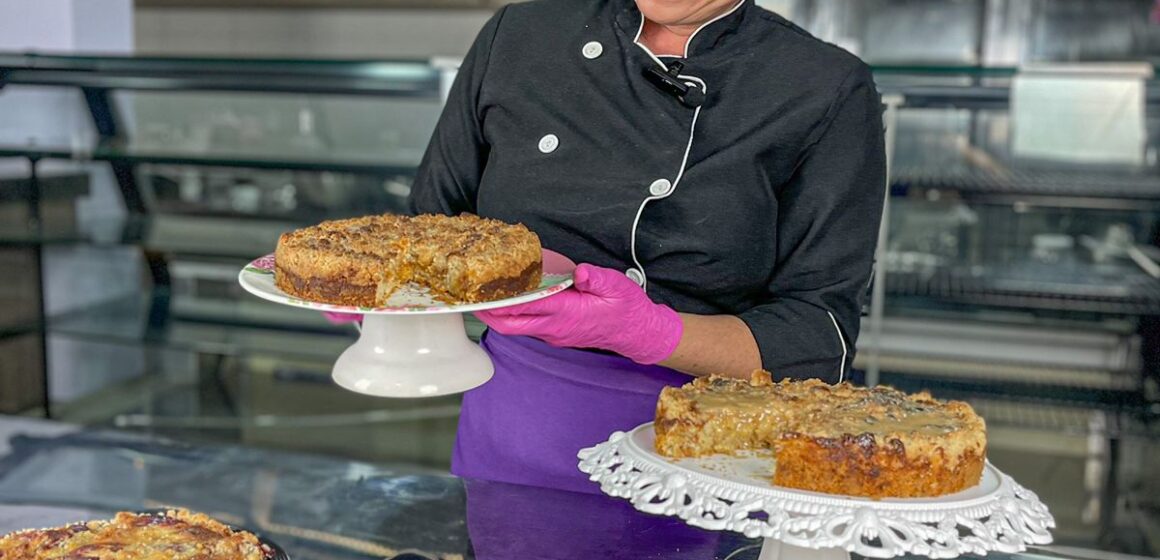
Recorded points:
(734, 494)
(415, 346)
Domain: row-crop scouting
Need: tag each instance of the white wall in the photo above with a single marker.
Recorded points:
(46, 24)
(74, 276)
(309, 33)
(57, 116)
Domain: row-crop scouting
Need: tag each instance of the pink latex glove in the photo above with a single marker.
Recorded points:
(342, 318)
(604, 309)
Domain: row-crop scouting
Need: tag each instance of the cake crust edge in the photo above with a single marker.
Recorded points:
(866, 467)
(217, 533)
(340, 277)
(862, 465)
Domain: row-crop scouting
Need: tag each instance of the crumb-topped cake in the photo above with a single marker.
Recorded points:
(362, 261)
(838, 439)
(172, 535)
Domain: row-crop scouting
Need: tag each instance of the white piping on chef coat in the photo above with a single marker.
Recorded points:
(685, 161)
(672, 189)
(688, 145)
(692, 130)
(842, 339)
(704, 25)
(640, 28)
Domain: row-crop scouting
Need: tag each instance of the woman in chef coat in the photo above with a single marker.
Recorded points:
(717, 171)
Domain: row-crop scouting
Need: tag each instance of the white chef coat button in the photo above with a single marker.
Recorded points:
(592, 49)
(549, 143)
(660, 187)
(635, 275)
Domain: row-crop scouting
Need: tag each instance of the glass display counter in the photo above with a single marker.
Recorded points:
(324, 508)
(1018, 284)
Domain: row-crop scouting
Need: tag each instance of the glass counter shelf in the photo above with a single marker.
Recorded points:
(326, 507)
(166, 233)
(118, 152)
(399, 78)
(1139, 186)
(1115, 290)
(222, 327)
(241, 328)
(106, 231)
(191, 234)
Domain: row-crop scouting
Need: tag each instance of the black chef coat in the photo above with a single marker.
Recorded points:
(762, 203)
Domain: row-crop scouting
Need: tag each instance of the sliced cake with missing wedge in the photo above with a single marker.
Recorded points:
(837, 439)
(363, 261)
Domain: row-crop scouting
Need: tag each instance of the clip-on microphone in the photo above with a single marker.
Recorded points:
(669, 82)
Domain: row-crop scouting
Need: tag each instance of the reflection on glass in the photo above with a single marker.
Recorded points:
(300, 196)
(279, 126)
(318, 507)
(987, 32)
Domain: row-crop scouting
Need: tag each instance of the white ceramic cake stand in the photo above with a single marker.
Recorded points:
(734, 494)
(415, 346)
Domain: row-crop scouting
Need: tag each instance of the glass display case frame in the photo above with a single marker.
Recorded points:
(963, 88)
(157, 319)
(1063, 401)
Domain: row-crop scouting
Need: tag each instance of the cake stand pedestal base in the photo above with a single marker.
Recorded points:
(413, 345)
(773, 549)
(412, 356)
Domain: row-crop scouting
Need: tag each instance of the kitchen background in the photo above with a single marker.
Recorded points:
(1018, 270)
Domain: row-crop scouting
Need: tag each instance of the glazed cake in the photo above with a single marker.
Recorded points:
(172, 535)
(362, 261)
(837, 439)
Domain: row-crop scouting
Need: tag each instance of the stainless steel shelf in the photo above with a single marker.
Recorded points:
(1131, 295)
(1032, 394)
(1140, 185)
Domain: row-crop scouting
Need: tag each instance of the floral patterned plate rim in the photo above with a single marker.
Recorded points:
(257, 277)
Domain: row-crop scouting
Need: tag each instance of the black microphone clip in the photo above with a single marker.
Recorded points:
(689, 94)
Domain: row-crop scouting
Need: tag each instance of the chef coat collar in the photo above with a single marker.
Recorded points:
(628, 20)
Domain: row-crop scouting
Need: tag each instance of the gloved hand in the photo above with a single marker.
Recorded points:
(342, 318)
(604, 309)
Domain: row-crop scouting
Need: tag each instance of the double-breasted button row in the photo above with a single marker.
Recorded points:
(592, 50)
(635, 275)
(660, 187)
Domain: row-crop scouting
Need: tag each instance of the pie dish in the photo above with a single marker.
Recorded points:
(363, 261)
(836, 439)
(167, 535)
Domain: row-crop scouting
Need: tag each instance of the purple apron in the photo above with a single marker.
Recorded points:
(506, 521)
(545, 404)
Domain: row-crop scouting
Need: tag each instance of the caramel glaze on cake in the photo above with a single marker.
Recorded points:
(837, 439)
(362, 261)
(173, 535)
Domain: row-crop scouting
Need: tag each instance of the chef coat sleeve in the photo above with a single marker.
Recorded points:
(827, 228)
(448, 176)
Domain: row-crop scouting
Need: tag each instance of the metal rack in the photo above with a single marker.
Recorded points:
(160, 235)
(1140, 296)
(1136, 187)
(153, 319)
(988, 268)
(96, 77)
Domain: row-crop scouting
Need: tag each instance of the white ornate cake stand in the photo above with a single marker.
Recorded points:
(415, 346)
(734, 494)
